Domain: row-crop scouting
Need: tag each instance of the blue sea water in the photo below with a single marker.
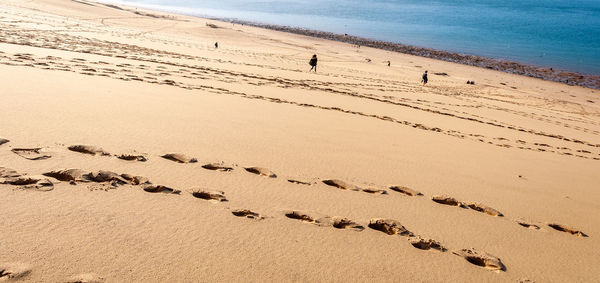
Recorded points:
(563, 34)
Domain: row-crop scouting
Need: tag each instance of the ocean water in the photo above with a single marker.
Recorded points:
(564, 34)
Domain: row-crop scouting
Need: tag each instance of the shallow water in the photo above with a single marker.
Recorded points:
(560, 34)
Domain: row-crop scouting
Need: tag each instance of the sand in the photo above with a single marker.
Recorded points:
(355, 173)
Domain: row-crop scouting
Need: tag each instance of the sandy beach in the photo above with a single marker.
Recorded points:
(133, 150)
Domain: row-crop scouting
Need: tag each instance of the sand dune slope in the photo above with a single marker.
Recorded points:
(131, 149)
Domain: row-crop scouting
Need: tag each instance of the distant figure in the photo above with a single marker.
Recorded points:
(389, 63)
(424, 80)
(216, 45)
(313, 63)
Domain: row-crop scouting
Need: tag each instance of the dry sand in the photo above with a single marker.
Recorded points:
(270, 173)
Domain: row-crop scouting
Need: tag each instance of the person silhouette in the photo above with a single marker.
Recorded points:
(313, 63)
(424, 78)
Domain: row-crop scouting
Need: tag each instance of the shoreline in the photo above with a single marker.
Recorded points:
(506, 66)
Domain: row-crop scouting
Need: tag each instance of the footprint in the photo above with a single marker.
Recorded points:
(180, 158)
(217, 167)
(3, 141)
(67, 175)
(299, 182)
(300, 216)
(484, 209)
(20, 181)
(345, 223)
(30, 153)
(86, 278)
(571, 231)
(246, 213)
(340, 184)
(88, 149)
(29, 183)
(389, 226)
(8, 173)
(161, 189)
(14, 270)
(261, 171)
(105, 176)
(447, 201)
(132, 157)
(217, 196)
(426, 244)
(481, 259)
(375, 191)
(474, 206)
(528, 225)
(136, 180)
(406, 191)
(43, 185)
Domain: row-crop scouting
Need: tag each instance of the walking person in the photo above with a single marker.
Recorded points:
(424, 78)
(313, 63)
(216, 45)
